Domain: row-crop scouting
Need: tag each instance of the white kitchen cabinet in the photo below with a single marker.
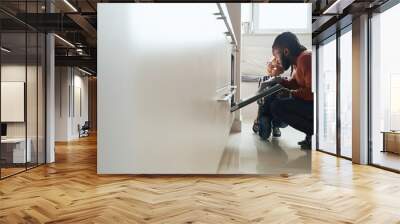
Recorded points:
(162, 72)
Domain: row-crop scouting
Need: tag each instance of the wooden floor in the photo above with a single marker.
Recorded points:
(5, 172)
(70, 191)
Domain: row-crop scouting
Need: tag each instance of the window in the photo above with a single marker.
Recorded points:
(246, 17)
(385, 89)
(246, 9)
(346, 94)
(327, 96)
(279, 17)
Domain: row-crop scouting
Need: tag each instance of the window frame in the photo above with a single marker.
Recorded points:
(337, 38)
(371, 15)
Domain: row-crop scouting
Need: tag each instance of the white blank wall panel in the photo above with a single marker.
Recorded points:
(159, 69)
(12, 101)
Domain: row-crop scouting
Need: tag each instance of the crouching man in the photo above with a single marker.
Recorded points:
(295, 104)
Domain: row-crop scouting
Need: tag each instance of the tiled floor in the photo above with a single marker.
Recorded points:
(246, 153)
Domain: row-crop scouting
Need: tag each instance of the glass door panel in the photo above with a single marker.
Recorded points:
(327, 96)
(385, 89)
(346, 94)
(14, 152)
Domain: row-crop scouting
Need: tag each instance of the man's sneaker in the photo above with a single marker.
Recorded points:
(276, 132)
(306, 141)
(306, 146)
(302, 142)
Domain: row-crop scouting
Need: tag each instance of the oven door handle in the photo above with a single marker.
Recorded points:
(228, 96)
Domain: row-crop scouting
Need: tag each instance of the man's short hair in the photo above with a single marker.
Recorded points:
(290, 41)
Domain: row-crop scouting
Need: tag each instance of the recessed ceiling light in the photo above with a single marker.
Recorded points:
(5, 50)
(338, 6)
(70, 5)
(65, 41)
(84, 71)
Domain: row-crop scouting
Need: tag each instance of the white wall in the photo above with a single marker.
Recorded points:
(68, 81)
(62, 81)
(79, 117)
(13, 72)
(157, 88)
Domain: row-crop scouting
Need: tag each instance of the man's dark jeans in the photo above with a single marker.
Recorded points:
(265, 110)
(295, 112)
(266, 123)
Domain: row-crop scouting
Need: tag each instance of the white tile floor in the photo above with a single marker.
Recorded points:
(246, 153)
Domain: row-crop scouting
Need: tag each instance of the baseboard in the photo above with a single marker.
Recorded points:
(237, 125)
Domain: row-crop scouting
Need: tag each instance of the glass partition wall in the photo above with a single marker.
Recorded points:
(327, 96)
(13, 89)
(334, 95)
(345, 91)
(22, 98)
(385, 89)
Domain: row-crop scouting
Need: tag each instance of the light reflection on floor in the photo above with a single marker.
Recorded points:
(246, 153)
(386, 159)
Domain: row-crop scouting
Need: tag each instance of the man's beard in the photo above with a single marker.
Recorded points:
(285, 62)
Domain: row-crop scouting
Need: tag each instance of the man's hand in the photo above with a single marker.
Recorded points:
(271, 82)
(274, 68)
(284, 93)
